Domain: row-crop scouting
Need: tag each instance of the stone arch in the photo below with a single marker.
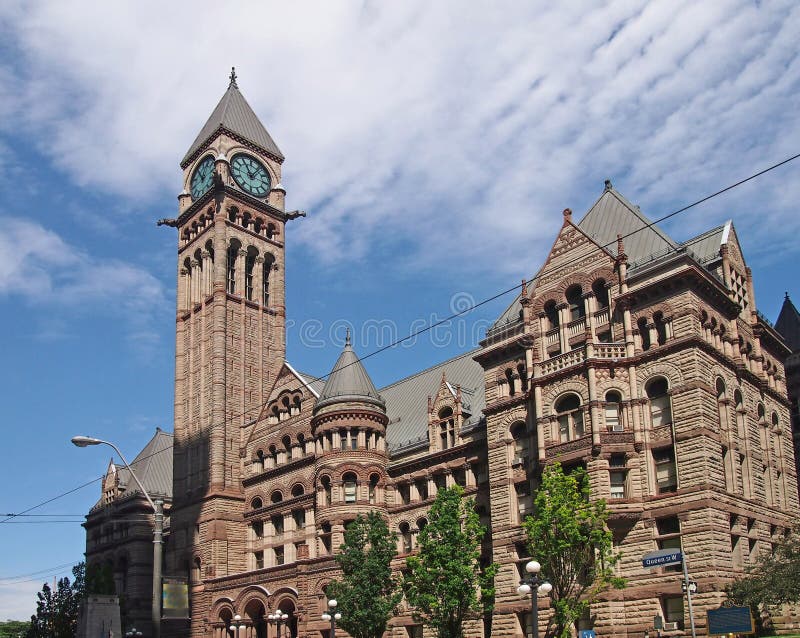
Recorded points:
(574, 386)
(669, 371)
(222, 604)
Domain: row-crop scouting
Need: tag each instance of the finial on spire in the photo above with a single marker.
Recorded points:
(608, 185)
(567, 213)
(524, 288)
(347, 337)
(233, 77)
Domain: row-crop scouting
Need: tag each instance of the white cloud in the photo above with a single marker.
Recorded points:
(39, 266)
(18, 600)
(461, 132)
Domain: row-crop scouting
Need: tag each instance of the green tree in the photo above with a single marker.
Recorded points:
(367, 594)
(774, 579)
(14, 628)
(57, 611)
(568, 535)
(444, 583)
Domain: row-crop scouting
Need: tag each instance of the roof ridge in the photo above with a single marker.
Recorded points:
(704, 234)
(429, 368)
(637, 211)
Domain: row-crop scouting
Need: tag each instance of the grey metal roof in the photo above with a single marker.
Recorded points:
(510, 314)
(349, 381)
(317, 385)
(788, 324)
(153, 466)
(705, 247)
(407, 399)
(234, 114)
(612, 214)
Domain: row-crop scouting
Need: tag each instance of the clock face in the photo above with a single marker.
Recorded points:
(203, 177)
(251, 175)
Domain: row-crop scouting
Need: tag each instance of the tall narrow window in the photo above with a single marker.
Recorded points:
(405, 538)
(249, 268)
(661, 328)
(521, 444)
(349, 487)
(570, 418)
(447, 429)
(268, 260)
(373, 486)
(326, 490)
(600, 291)
(574, 296)
(660, 404)
(666, 470)
(644, 333)
(232, 254)
(551, 312)
(612, 412)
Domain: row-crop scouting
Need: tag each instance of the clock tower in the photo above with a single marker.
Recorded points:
(230, 330)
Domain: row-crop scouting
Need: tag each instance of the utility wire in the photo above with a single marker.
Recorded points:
(455, 315)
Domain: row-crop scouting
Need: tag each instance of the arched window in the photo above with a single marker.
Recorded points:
(570, 418)
(551, 312)
(719, 386)
(661, 328)
(258, 463)
(600, 290)
(612, 411)
(521, 443)
(574, 296)
(273, 454)
(644, 333)
(256, 503)
(276, 497)
(325, 481)
(447, 429)
(297, 490)
(350, 487)
(373, 487)
(287, 445)
(660, 404)
(421, 523)
(523, 376)
(405, 538)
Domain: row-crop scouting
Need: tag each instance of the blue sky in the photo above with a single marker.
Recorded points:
(433, 146)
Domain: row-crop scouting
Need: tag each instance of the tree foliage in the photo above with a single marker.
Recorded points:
(367, 594)
(568, 535)
(14, 628)
(773, 580)
(445, 584)
(57, 610)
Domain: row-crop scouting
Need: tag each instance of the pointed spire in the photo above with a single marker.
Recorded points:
(608, 186)
(347, 343)
(349, 382)
(788, 324)
(234, 116)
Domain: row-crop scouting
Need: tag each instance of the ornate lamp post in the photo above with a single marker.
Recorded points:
(332, 615)
(534, 586)
(158, 529)
(133, 633)
(237, 626)
(278, 619)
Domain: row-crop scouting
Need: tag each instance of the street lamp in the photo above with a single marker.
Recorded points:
(534, 586)
(158, 530)
(332, 615)
(133, 633)
(278, 619)
(237, 626)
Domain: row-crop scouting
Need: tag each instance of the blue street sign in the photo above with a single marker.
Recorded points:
(587, 633)
(662, 557)
(730, 620)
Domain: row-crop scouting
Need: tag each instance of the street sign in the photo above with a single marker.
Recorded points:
(730, 620)
(587, 633)
(662, 557)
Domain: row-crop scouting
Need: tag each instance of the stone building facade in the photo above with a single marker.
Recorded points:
(640, 358)
(788, 325)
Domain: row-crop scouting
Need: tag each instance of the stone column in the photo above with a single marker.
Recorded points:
(240, 257)
(258, 280)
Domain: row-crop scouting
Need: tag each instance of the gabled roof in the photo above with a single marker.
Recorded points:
(234, 115)
(349, 381)
(153, 467)
(788, 324)
(612, 214)
(406, 400)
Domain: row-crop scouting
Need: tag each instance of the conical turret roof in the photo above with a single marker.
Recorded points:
(234, 115)
(349, 381)
(788, 324)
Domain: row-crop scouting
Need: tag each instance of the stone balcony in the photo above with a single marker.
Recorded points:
(606, 351)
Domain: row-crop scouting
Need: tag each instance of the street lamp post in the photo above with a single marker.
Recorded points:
(278, 619)
(158, 530)
(534, 586)
(133, 633)
(332, 615)
(237, 626)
